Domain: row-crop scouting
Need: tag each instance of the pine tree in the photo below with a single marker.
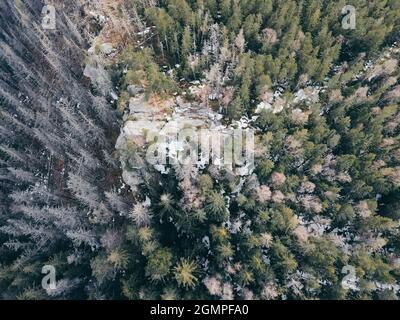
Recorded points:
(185, 271)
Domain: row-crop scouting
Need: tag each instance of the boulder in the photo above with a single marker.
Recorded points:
(134, 90)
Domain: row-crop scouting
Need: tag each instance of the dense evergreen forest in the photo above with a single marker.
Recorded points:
(322, 202)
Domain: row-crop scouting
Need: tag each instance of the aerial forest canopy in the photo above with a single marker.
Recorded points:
(317, 215)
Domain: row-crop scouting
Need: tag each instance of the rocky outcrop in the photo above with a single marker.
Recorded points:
(157, 134)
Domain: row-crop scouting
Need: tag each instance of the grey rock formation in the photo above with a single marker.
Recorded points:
(134, 90)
